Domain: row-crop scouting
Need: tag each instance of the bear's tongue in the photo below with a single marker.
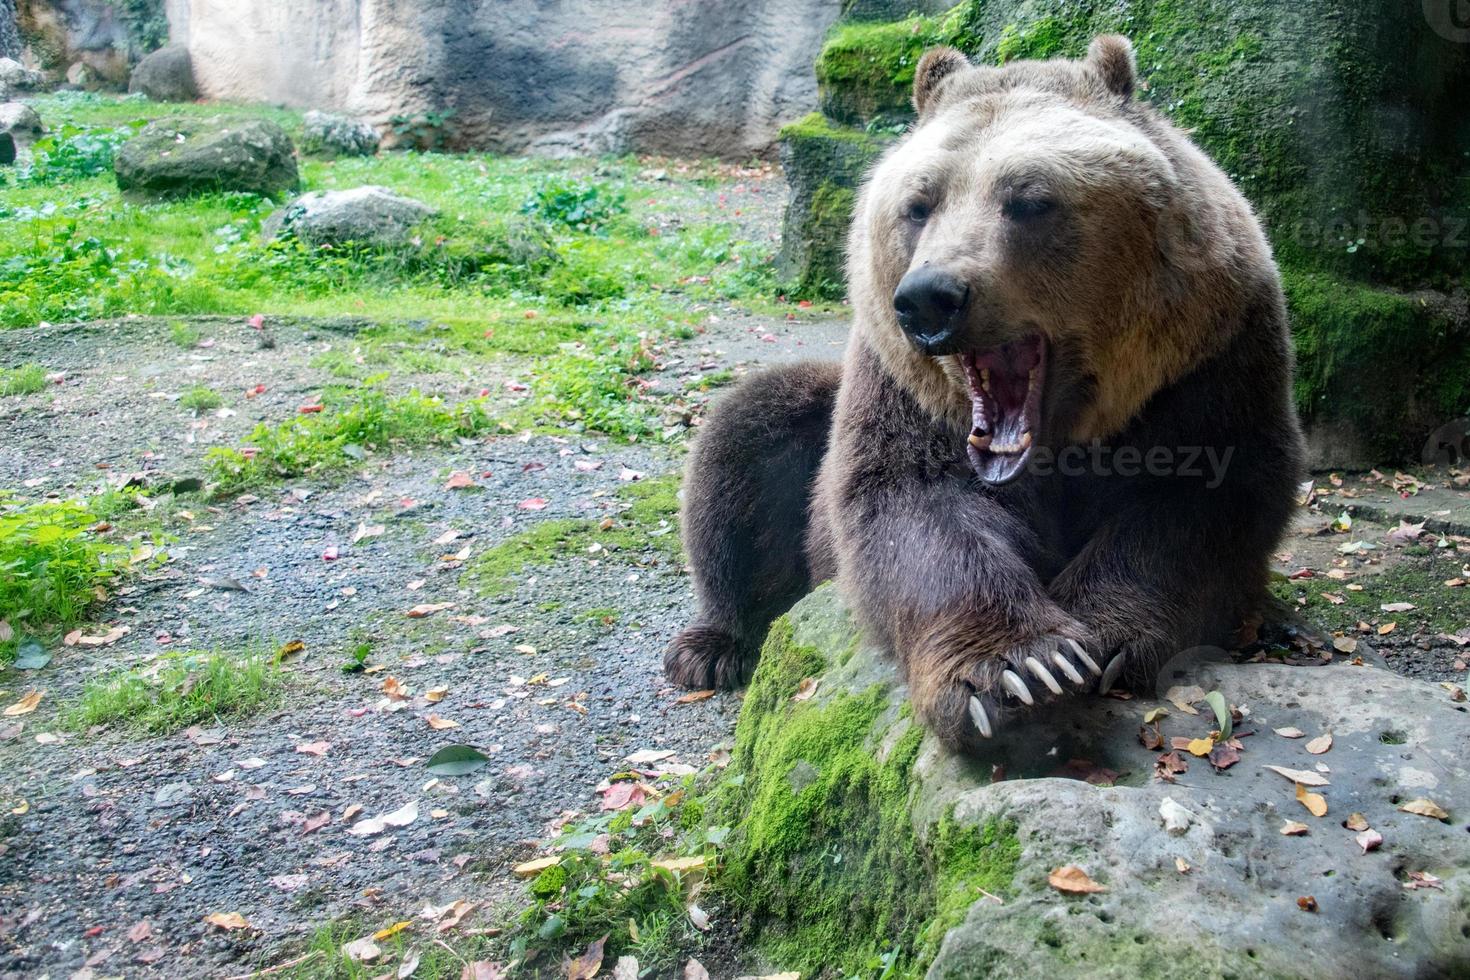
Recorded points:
(1005, 396)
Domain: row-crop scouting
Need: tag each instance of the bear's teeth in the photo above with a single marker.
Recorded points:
(1025, 440)
(979, 441)
(985, 379)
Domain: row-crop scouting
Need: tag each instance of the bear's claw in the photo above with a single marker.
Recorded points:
(1111, 674)
(1066, 657)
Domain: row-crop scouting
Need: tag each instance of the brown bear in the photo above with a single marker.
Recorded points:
(1061, 447)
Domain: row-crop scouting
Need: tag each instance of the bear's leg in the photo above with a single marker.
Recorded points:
(1156, 581)
(744, 519)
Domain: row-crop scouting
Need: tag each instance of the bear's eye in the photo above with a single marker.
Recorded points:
(918, 212)
(1027, 208)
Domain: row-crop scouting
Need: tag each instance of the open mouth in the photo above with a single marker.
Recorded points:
(1005, 397)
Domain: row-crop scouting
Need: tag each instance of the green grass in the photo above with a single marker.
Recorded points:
(200, 399)
(53, 569)
(646, 529)
(440, 957)
(184, 335)
(1417, 577)
(364, 422)
(186, 689)
(24, 380)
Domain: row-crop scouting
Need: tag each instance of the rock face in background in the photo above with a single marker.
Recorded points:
(366, 215)
(327, 135)
(91, 43)
(682, 76)
(855, 830)
(179, 157)
(165, 75)
(1342, 121)
(10, 43)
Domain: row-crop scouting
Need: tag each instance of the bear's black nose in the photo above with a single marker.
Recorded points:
(930, 304)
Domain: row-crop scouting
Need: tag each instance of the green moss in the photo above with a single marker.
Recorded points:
(866, 70)
(645, 531)
(825, 860)
(1388, 365)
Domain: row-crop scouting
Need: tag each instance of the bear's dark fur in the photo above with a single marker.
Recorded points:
(1043, 270)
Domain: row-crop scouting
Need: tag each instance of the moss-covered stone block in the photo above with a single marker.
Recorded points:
(824, 166)
(1377, 370)
(865, 72)
(862, 847)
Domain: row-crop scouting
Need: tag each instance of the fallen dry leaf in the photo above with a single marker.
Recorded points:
(28, 704)
(531, 869)
(1293, 828)
(458, 480)
(439, 724)
(585, 967)
(1290, 732)
(313, 748)
(1421, 879)
(1425, 808)
(1320, 744)
(682, 865)
(362, 950)
(1182, 865)
(428, 609)
(1315, 803)
(1303, 776)
(1386, 629)
(805, 689)
(1356, 821)
(1369, 840)
(401, 817)
(694, 696)
(452, 916)
(1073, 880)
(435, 694)
(1396, 607)
(227, 920)
(1307, 903)
(1200, 746)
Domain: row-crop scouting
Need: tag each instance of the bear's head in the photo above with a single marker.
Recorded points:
(1042, 252)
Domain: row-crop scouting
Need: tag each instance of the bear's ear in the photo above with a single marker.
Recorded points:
(1111, 56)
(936, 65)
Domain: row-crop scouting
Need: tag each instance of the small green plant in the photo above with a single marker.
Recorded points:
(629, 875)
(74, 153)
(425, 131)
(597, 385)
(200, 399)
(184, 334)
(341, 435)
(24, 380)
(183, 690)
(574, 203)
(356, 663)
(53, 567)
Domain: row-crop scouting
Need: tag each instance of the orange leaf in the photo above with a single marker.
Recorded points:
(27, 704)
(227, 920)
(1315, 803)
(1073, 880)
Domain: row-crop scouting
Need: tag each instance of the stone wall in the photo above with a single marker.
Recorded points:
(87, 43)
(707, 77)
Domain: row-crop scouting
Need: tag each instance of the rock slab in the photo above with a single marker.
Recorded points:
(329, 135)
(1220, 892)
(172, 158)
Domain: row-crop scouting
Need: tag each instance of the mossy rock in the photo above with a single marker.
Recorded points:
(179, 157)
(824, 165)
(865, 73)
(1378, 371)
(862, 847)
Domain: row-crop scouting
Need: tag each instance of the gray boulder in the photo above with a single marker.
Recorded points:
(843, 809)
(366, 215)
(166, 75)
(324, 134)
(16, 77)
(179, 157)
(20, 122)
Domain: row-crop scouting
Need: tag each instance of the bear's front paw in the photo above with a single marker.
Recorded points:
(961, 695)
(702, 657)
